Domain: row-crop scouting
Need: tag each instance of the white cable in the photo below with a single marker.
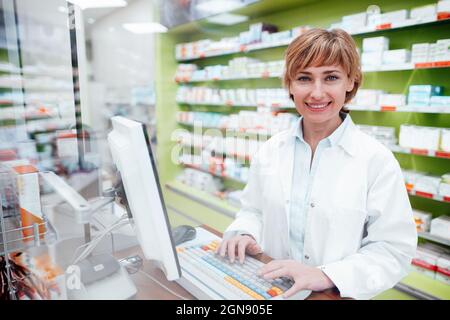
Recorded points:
(91, 245)
(105, 228)
(155, 280)
(94, 241)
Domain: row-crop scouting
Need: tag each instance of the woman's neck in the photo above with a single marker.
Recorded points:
(314, 132)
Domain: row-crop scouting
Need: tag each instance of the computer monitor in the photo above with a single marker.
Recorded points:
(133, 157)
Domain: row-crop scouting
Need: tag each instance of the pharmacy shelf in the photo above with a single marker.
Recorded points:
(421, 152)
(432, 237)
(210, 201)
(407, 108)
(421, 283)
(263, 75)
(439, 19)
(260, 46)
(427, 195)
(212, 173)
(253, 132)
(240, 49)
(368, 69)
(407, 66)
(231, 104)
(228, 154)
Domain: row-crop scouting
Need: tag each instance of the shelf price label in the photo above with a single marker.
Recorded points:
(388, 108)
(384, 26)
(424, 194)
(440, 64)
(422, 65)
(420, 152)
(442, 154)
(443, 15)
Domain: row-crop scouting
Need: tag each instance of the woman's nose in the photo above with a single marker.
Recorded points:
(317, 92)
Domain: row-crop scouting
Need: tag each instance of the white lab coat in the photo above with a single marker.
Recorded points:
(359, 227)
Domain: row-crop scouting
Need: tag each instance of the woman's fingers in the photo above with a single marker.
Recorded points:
(271, 266)
(254, 249)
(231, 250)
(281, 272)
(237, 247)
(222, 248)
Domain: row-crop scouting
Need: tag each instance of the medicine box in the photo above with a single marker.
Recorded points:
(393, 16)
(428, 184)
(424, 13)
(367, 97)
(372, 58)
(397, 100)
(445, 140)
(440, 101)
(443, 6)
(425, 260)
(375, 44)
(420, 52)
(427, 89)
(396, 56)
(422, 220)
(443, 269)
(27, 178)
(440, 227)
(442, 52)
(354, 21)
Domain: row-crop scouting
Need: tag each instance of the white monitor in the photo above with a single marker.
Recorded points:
(133, 157)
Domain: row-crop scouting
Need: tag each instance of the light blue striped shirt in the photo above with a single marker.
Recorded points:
(302, 179)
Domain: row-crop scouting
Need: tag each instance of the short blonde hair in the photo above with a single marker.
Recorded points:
(320, 47)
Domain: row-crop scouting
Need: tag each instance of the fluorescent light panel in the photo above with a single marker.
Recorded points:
(227, 19)
(218, 6)
(145, 27)
(87, 4)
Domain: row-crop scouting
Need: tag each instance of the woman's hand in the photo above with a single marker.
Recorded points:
(242, 244)
(305, 277)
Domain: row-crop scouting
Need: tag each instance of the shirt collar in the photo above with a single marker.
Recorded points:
(333, 139)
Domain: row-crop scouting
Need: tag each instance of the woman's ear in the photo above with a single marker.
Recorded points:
(351, 85)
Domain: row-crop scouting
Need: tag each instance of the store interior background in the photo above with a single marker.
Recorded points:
(133, 74)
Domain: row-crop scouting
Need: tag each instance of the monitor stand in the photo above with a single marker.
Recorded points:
(99, 277)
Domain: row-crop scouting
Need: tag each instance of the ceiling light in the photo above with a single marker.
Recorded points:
(218, 6)
(145, 27)
(62, 9)
(91, 20)
(87, 4)
(227, 19)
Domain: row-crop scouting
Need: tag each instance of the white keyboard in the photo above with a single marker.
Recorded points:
(208, 276)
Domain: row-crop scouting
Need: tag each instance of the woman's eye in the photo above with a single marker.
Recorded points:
(302, 78)
(332, 78)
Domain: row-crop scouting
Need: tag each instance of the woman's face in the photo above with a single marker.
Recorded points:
(319, 92)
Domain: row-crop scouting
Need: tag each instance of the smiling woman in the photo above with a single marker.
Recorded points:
(325, 200)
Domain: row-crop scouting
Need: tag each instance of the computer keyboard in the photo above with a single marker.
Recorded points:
(229, 280)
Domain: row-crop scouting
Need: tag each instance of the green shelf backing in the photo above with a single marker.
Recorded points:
(393, 294)
(197, 211)
(428, 285)
(214, 201)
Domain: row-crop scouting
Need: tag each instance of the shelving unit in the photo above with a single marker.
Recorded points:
(391, 78)
(286, 42)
